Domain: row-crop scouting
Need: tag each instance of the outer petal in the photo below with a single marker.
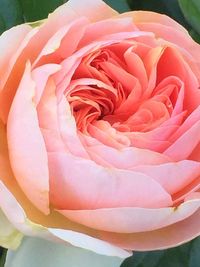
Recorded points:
(10, 44)
(26, 145)
(10, 188)
(59, 20)
(18, 218)
(9, 236)
(173, 176)
(170, 236)
(46, 101)
(149, 17)
(40, 76)
(98, 30)
(77, 183)
(41, 253)
(12, 64)
(132, 220)
(93, 9)
(58, 45)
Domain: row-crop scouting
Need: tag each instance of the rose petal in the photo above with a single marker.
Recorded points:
(183, 146)
(68, 188)
(170, 236)
(102, 28)
(58, 46)
(98, 10)
(26, 145)
(165, 28)
(11, 43)
(12, 64)
(18, 218)
(126, 158)
(172, 176)
(149, 16)
(35, 252)
(129, 220)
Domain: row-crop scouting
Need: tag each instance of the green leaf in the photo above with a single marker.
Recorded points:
(191, 11)
(195, 36)
(140, 259)
(2, 24)
(41, 253)
(195, 253)
(3, 257)
(10, 14)
(174, 257)
(119, 5)
(38, 9)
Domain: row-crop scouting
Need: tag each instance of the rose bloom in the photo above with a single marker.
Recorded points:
(100, 130)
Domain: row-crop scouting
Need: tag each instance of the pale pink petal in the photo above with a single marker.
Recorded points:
(102, 28)
(193, 118)
(12, 64)
(183, 146)
(58, 46)
(61, 17)
(126, 158)
(87, 242)
(40, 76)
(166, 28)
(68, 130)
(16, 215)
(142, 140)
(48, 117)
(93, 9)
(77, 183)
(26, 145)
(149, 17)
(64, 15)
(170, 236)
(172, 176)
(11, 44)
(132, 220)
(157, 139)
(107, 135)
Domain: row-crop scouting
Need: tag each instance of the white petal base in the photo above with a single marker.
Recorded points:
(35, 252)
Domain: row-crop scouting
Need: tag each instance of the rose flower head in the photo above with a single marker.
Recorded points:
(100, 130)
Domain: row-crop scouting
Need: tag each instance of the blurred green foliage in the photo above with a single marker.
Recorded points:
(11, 14)
(187, 255)
(191, 11)
(38, 9)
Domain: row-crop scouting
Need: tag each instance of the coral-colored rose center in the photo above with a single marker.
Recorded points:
(120, 91)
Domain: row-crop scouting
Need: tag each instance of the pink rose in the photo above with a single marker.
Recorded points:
(100, 129)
